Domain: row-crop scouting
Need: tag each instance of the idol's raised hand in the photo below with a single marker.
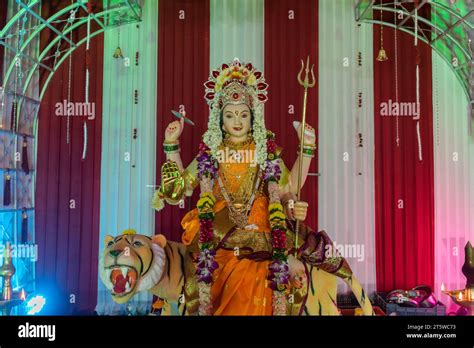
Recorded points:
(174, 130)
(300, 210)
(309, 134)
(296, 210)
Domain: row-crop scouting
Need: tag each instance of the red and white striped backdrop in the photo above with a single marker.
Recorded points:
(376, 197)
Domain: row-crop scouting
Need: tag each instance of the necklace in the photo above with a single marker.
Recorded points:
(238, 145)
(239, 204)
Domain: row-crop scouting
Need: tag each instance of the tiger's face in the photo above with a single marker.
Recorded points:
(131, 263)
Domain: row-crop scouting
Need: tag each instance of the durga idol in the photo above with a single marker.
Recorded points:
(239, 241)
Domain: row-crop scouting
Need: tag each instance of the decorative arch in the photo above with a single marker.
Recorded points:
(115, 13)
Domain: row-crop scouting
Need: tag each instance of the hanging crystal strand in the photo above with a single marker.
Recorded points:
(87, 54)
(17, 74)
(418, 110)
(20, 73)
(397, 139)
(84, 148)
(68, 125)
(436, 100)
(420, 150)
(359, 108)
(86, 93)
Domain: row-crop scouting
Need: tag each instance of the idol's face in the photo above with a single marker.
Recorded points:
(237, 121)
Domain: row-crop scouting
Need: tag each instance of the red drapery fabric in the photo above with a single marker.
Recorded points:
(291, 34)
(67, 231)
(183, 67)
(404, 186)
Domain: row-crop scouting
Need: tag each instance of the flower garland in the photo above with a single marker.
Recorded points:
(278, 269)
(206, 264)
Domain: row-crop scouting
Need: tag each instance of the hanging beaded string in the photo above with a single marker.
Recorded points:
(18, 73)
(381, 28)
(420, 150)
(87, 53)
(436, 99)
(68, 125)
(360, 141)
(69, 22)
(86, 92)
(396, 78)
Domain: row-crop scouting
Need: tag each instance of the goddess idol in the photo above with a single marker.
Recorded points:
(240, 239)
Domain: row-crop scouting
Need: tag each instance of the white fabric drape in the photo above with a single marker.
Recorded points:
(454, 179)
(128, 164)
(236, 31)
(346, 198)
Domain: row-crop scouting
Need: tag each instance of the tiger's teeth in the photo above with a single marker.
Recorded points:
(127, 287)
(124, 271)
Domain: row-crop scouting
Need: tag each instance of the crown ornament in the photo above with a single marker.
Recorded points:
(236, 83)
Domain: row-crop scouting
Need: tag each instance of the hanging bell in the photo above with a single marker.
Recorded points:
(382, 57)
(118, 53)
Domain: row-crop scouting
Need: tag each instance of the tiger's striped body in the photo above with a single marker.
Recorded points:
(177, 287)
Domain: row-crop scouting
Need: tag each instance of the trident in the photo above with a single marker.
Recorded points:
(306, 84)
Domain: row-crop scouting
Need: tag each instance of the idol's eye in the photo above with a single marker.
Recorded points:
(109, 244)
(229, 115)
(137, 244)
(244, 115)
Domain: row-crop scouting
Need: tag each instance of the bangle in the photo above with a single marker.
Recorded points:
(305, 155)
(171, 148)
(308, 151)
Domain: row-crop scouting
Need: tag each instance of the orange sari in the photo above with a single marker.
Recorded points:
(240, 284)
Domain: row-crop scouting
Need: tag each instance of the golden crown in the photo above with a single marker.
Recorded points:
(236, 83)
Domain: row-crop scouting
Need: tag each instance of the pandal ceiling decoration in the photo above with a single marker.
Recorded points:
(61, 25)
(449, 31)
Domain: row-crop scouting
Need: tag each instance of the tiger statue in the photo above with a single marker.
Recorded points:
(133, 262)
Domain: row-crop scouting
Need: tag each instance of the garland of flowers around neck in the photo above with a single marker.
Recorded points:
(206, 265)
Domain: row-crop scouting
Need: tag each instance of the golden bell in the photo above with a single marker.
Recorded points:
(382, 57)
(118, 53)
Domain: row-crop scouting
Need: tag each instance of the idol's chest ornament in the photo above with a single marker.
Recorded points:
(239, 184)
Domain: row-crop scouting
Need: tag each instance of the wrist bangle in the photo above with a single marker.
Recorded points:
(308, 151)
(313, 146)
(306, 155)
(171, 148)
